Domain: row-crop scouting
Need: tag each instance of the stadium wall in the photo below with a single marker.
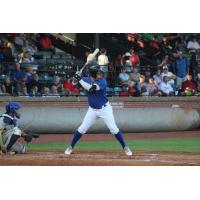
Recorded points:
(64, 115)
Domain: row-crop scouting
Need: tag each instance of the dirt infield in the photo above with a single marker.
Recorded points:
(104, 158)
(100, 158)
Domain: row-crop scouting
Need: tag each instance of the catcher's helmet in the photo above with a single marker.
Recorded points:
(94, 70)
(12, 106)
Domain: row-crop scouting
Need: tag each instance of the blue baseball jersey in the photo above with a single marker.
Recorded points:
(98, 98)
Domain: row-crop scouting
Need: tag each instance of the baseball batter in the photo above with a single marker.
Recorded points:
(99, 107)
(9, 130)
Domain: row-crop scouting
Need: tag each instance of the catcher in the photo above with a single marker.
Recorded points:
(10, 131)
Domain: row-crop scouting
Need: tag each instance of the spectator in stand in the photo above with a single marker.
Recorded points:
(174, 39)
(124, 91)
(57, 82)
(152, 88)
(134, 58)
(189, 86)
(127, 90)
(46, 44)
(24, 58)
(19, 77)
(135, 75)
(144, 92)
(126, 62)
(147, 73)
(9, 52)
(103, 62)
(181, 70)
(165, 45)
(54, 91)
(29, 75)
(157, 77)
(141, 84)
(35, 38)
(193, 45)
(28, 48)
(154, 50)
(11, 46)
(69, 88)
(34, 92)
(124, 77)
(131, 89)
(132, 37)
(7, 87)
(165, 61)
(170, 75)
(165, 87)
(154, 42)
(31, 50)
(45, 92)
(35, 83)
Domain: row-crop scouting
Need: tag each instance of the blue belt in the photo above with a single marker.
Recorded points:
(100, 107)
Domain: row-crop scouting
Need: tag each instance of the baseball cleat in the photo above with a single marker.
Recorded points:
(127, 151)
(68, 151)
(11, 153)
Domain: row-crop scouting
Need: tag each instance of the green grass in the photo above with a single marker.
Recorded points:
(169, 144)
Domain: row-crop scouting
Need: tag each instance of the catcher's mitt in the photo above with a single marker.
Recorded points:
(29, 136)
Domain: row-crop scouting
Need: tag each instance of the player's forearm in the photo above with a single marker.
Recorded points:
(88, 86)
(85, 85)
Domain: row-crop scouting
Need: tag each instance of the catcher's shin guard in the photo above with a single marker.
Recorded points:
(13, 139)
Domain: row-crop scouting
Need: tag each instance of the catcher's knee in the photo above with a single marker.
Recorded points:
(17, 131)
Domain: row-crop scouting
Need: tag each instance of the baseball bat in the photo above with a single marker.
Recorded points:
(90, 58)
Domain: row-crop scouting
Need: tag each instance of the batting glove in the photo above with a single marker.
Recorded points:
(77, 77)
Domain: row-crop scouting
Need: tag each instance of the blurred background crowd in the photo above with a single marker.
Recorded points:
(133, 64)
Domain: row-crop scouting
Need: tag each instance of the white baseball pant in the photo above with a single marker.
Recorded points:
(105, 113)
